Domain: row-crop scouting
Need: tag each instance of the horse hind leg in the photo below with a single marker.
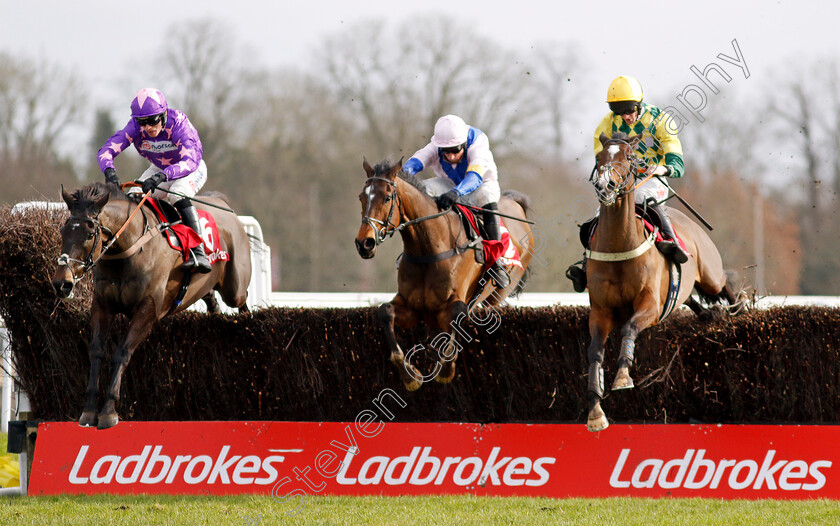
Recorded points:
(211, 302)
(410, 376)
(447, 345)
(735, 293)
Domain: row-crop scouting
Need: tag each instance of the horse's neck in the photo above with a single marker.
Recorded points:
(114, 215)
(618, 229)
(430, 236)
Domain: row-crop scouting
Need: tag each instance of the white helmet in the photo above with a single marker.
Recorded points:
(450, 131)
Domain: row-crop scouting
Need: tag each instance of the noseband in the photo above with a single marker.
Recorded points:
(609, 191)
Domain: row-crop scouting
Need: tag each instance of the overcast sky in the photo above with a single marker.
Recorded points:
(656, 41)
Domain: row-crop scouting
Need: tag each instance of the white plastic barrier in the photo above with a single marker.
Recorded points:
(527, 299)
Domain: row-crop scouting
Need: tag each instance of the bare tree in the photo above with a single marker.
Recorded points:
(37, 102)
(399, 79)
(208, 68)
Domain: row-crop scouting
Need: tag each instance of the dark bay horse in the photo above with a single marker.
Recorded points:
(437, 275)
(628, 282)
(139, 276)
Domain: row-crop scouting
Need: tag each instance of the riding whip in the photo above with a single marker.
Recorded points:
(683, 201)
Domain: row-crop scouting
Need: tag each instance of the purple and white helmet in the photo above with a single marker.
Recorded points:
(148, 102)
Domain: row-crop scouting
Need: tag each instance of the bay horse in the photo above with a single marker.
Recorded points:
(138, 275)
(628, 282)
(438, 275)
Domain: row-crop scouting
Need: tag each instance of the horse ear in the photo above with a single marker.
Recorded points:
(603, 138)
(396, 169)
(67, 196)
(634, 141)
(368, 170)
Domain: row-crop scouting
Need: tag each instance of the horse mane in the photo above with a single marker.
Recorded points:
(387, 165)
(85, 197)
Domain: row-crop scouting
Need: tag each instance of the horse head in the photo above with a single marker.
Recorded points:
(615, 168)
(80, 236)
(380, 206)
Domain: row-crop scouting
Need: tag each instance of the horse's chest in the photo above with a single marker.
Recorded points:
(119, 293)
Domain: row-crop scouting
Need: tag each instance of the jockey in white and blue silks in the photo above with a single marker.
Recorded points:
(460, 157)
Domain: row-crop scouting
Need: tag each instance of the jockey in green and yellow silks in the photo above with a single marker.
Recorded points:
(659, 150)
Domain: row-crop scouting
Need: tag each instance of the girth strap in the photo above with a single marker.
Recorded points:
(442, 256)
(674, 279)
(623, 256)
(185, 284)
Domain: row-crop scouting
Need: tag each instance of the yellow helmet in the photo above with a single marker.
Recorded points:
(624, 88)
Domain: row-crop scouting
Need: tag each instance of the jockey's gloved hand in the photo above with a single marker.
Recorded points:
(150, 184)
(447, 200)
(111, 176)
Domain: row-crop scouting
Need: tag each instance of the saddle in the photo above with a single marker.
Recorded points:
(492, 250)
(180, 236)
(651, 220)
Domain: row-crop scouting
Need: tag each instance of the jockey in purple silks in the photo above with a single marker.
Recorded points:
(165, 137)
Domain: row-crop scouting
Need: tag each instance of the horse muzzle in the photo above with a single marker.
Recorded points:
(366, 247)
(63, 287)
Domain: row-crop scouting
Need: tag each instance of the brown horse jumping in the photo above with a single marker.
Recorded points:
(139, 276)
(628, 282)
(438, 275)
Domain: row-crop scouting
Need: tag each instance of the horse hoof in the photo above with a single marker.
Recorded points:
(88, 419)
(622, 381)
(108, 421)
(412, 385)
(446, 373)
(597, 424)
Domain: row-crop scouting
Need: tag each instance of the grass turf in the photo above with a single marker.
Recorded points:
(402, 511)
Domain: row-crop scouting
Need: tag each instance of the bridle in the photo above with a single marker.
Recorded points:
(608, 192)
(388, 229)
(86, 264)
(64, 260)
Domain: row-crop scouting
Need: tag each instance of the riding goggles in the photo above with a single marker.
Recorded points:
(452, 149)
(149, 121)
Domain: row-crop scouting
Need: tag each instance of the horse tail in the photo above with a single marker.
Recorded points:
(734, 292)
(518, 197)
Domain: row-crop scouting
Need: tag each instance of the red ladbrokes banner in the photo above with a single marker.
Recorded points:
(292, 460)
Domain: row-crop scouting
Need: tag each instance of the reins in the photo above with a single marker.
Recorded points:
(388, 228)
(89, 262)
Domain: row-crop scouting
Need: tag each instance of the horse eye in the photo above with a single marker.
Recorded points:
(89, 235)
(387, 198)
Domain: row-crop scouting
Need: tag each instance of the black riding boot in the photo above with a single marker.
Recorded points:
(198, 261)
(578, 275)
(492, 227)
(669, 247)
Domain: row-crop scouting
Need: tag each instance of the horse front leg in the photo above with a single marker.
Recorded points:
(600, 326)
(100, 323)
(646, 314)
(139, 327)
(387, 314)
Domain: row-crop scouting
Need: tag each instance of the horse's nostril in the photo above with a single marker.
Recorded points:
(369, 243)
(63, 288)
